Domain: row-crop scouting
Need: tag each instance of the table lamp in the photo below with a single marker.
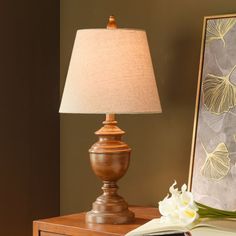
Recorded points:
(110, 73)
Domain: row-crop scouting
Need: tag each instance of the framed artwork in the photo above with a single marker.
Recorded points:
(212, 175)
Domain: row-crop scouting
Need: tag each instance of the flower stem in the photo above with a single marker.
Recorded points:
(210, 212)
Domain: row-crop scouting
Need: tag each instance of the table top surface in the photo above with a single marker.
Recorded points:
(75, 224)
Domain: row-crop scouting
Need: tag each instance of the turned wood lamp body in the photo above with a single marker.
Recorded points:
(110, 72)
(109, 158)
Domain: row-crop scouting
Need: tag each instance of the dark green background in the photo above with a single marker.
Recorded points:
(161, 142)
(29, 119)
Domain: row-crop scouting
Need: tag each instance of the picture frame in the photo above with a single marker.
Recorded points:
(212, 172)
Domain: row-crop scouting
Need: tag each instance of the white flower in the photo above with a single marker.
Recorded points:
(179, 208)
(188, 215)
(167, 206)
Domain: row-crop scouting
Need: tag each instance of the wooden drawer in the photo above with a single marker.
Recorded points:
(50, 234)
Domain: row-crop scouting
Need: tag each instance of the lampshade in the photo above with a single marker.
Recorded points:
(110, 72)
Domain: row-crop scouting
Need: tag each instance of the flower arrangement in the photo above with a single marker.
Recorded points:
(180, 208)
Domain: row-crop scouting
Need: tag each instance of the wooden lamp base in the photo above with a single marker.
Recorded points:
(110, 210)
(109, 158)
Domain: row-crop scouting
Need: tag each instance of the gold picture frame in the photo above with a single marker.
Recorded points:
(206, 181)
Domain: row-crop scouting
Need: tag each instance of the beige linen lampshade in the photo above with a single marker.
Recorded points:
(110, 72)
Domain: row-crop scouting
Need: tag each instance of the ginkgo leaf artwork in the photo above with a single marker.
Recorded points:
(213, 166)
(217, 163)
(219, 93)
(218, 28)
(212, 121)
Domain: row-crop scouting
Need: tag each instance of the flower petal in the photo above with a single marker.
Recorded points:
(188, 216)
(173, 190)
(183, 188)
(186, 198)
(167, 206)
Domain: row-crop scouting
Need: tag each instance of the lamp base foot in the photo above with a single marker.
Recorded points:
(110, 209)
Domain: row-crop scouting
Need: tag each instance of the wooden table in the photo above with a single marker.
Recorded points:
(75, 225)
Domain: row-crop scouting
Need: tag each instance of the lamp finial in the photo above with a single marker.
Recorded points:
(111, 23)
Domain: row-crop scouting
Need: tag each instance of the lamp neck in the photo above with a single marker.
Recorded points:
(110, 127)
(110, 117)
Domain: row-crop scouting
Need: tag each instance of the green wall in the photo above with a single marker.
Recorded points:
(161, 143)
